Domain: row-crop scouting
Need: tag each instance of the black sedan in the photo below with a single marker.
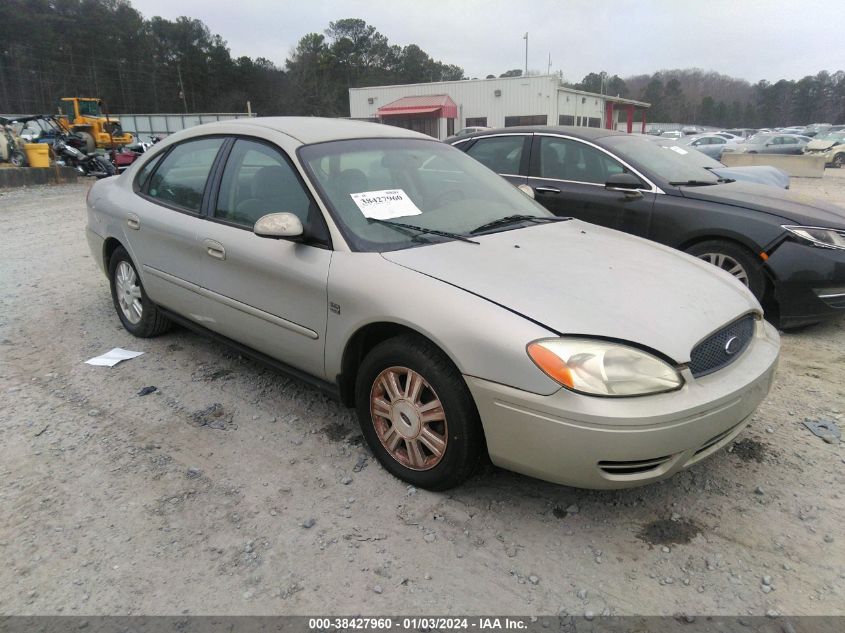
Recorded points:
(789, 249)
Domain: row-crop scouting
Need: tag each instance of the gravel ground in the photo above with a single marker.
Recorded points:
(233, 490)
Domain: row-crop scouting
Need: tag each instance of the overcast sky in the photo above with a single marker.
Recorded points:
(752, 39)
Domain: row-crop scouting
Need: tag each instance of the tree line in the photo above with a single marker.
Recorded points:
(708, 98)
(62, 48)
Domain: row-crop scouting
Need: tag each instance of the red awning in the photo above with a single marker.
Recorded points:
(441, 105)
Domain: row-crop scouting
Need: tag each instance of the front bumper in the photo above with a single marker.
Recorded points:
(807, 280)
(591, 442)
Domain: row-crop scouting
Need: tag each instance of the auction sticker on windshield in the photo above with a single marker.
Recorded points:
(385, 205)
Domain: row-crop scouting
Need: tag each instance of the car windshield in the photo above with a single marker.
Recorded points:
(373, 185)
(831, 136)
(671, 166)
(698, 159)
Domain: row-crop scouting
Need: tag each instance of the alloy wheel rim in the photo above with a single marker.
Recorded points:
(128, 292)
(728, 264)
(409, 418)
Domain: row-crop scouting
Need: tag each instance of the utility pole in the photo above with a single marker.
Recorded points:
(525, 37)
(549, 69)
(182, 87)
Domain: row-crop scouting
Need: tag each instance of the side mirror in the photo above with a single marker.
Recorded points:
(625, 182)
(528, 191)
(279, 226)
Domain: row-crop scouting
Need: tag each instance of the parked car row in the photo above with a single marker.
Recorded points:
(458, 315)
(627, 183)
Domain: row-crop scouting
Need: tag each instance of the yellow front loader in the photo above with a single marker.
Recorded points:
(85, 117)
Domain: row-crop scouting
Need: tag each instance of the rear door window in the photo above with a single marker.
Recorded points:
(502, 154)
(180, 179)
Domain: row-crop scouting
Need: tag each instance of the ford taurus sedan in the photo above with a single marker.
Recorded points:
(789, 249)
(458, 316)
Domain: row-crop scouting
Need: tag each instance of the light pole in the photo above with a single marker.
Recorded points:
(525, 37)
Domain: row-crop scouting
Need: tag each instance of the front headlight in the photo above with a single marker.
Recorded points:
(602, 368)
(826, 238)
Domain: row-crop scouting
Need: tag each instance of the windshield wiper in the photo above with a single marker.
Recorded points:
(423, 230)
(513, 219)
(692, 183)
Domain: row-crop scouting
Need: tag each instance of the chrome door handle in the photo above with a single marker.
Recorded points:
(133, 222)
(547, 189)
(214, 249)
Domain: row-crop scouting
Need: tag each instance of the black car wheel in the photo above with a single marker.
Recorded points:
(417, 415)
(734, 259)
(838, 160)
(139, 315)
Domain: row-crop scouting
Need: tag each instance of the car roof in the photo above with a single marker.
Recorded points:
(586, 133)
(313, 129)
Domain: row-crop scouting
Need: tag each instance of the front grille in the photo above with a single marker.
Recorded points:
(714, 353)
(637, 467)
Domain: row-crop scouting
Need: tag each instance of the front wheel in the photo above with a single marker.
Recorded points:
(734, 259)
(838, 160)
(139, 315)
(417, 414)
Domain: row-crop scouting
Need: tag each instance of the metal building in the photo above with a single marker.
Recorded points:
(442, 108)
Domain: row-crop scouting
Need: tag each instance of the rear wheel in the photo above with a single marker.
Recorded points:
(18, 158)
(139, 315)
(734, 259)
(838, 160)
(417, 415)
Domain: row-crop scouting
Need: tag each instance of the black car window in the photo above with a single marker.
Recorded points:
(789, 140)
(258, 180)
(180, 179)
(502, 154)
(565, 159)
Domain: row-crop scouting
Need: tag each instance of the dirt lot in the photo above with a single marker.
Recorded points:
(114, 503)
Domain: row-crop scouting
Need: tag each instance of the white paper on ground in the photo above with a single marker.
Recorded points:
(112, 357)
(385, 205)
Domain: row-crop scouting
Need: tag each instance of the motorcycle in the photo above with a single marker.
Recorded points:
(67, 152)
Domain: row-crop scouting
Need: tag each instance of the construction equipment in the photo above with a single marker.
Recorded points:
(11, 145)
(89, 118)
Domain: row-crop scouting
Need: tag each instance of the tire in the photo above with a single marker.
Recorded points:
(18, 158)
(734, 259)
(90, 146)
(129, 298)
(838, 160)
(105, 166)
(438, 453)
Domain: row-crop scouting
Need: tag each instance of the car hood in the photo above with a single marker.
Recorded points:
(821, 144)
(761, 174)
(797, 208)
(577, 278)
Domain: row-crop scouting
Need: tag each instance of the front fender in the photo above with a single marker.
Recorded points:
(481, 338)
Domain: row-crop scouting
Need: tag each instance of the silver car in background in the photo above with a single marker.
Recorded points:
(454, 313)
(769, 143)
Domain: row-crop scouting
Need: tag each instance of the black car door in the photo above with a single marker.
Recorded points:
(568, 177)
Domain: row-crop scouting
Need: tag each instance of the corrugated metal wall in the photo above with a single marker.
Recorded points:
(150, 124)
